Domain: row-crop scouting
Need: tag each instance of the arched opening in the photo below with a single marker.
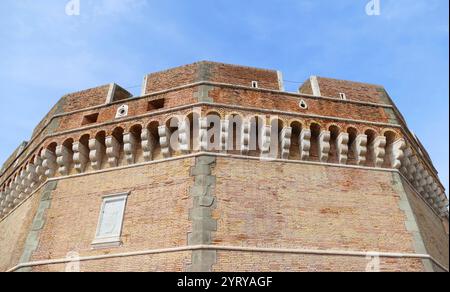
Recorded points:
(276, 127)
(84, 140)
(294, 152)
(315, 133)
(213, 123)
(52, 147)
(68, 155)
(154, 136)
(136, 132)
(191, 143)
(352, 134)
(172, 124)
(390, 139)
(370, 156)
(117, 133)
(334, 134)
(257, 124)
(100, 148)
(235, 133)
(68, 143)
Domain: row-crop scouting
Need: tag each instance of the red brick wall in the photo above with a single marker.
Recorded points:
(309, 207)
(14, 231)
(431, 228)
(156, 214)
(170, 262)
(214, 72)
(353, 90)
(283, 102)
(85, 98)
(266, 262)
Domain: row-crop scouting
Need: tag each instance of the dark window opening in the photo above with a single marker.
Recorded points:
(90, 119)
(155, 104)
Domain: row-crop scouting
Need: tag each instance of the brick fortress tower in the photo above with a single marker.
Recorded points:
(216, 168)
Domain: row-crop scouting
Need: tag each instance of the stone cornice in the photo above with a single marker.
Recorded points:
(329, 252)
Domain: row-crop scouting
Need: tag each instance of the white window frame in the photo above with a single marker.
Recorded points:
(343, 96)
(110, 241)
(255, 84)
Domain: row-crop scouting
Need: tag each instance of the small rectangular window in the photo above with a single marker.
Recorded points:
(343, 96)
(89, 119)
(109, 228)
(255, 84)
(155, 104)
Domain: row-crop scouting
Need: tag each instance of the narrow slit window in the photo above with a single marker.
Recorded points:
(109, 228)
(255, 84)
(343, 96)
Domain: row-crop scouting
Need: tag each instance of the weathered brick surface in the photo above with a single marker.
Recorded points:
(167, 262)
(354, 90)
(213, 72)
(13, 232)
(283, 102)
(306, 87)
(431, 228)
(85, 98)
(301, 206)
(269, 262)
(156, 214)
(255, 204)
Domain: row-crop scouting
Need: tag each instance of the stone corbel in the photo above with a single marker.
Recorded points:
(395, 152)
(245, 137)
(25, 183)
(203, 134)
(18, 185)
(406, 163)
(412, 168)
(148, 144)
(64, 158)
(183, 136)
(164, 140)
(359, 148)
(130, 144)
(342, 148)
(112, 151)
(225, 135)
(32, 176)
(40, 171)
(49, 162)
(96, 150)
(285, 138)
(80, 156)
(377, 150)
(324, 145)
(305, 143)
(266, 141)
(419, 181)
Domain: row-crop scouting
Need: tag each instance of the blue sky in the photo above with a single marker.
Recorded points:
(46, 53)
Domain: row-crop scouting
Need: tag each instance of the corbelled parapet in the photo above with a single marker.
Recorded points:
(105, 127)
(182, 112)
